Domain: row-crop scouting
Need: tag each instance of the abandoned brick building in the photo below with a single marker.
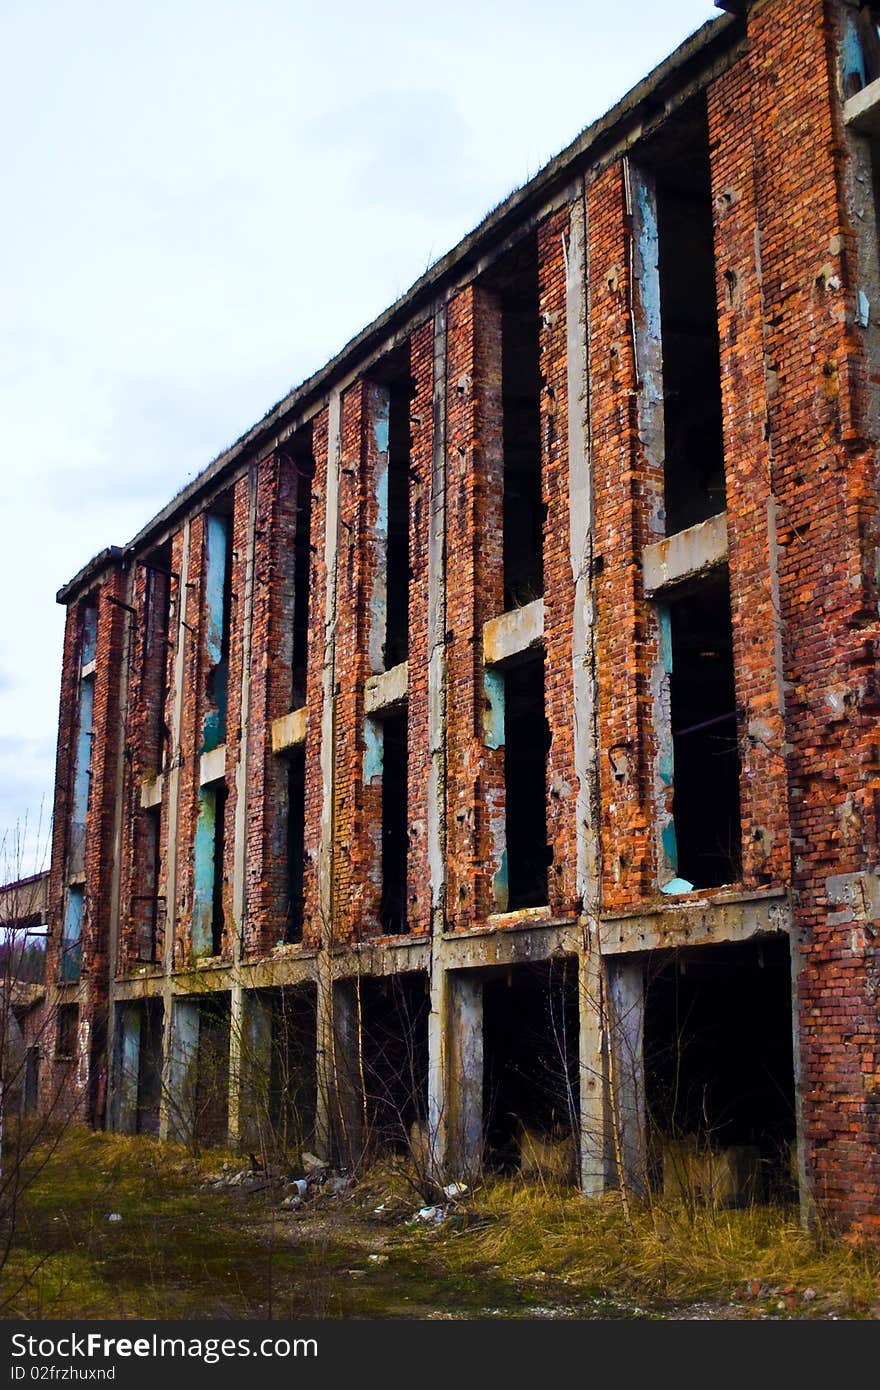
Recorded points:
(485, 749)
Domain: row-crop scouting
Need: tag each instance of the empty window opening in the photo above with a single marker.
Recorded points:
(296, 844)
(861, 48)
(693, 438)
(149, 1079)
(82, 775)
(218, 590)
(210, 1096)
(208, 911)
(154, 689)
(71, 937)
(31, 1085)
(530, 1070)
(292, 1093)
(526, 741)
(394, 1026)
(304, 465)
(89, 633)
(217, 913)
(397, 572)
(523, 509)
(148, 907)
(393, 906)
(706, 805)
(66, 1032)
(719, 1074)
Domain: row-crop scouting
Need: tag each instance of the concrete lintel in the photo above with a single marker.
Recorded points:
(699, 923)
(139, 987)
(151, 792)
(212, 765)
(512, 633)
(88, 670)
(686, 555)
(480, 950)
(386, 689)
(289, 730)
(862, 111)
(388, 958)
(284, 969)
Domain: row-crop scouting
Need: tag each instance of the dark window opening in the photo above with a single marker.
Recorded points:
(66, 1031)
(706, 805)
(392, 910)
(523, 508)
(31, 1085)
(526, 742)
(530, 1070)
(156, 647)
(217, 913)
(149, 1079)
(719, 1074)
(89, 633)
(218, 582)
(694, 445)
(211, 1097)
(397, 565)
(148, 908)
(304, 464)
(394, 1027)
(296, 832)
(292, 1080)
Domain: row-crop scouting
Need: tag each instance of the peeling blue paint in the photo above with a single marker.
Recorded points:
(649, 254)
(670, 844)
(864, 309)
(666, 768)
(852, 58)
(500, 890)
(203, 870)
(381, 416)
(374, 751)
(493, 715)
(666, 639)
(71, 938)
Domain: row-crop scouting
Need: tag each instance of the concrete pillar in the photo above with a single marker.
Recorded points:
(464, 1074)
(593, 1138)
(348, 1101)
(173, 793)
(181, 1071)
(626, 1009)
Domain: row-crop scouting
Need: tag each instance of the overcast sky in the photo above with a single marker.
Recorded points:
(203, 203)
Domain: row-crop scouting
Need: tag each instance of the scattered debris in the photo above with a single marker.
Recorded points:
(114, 1216)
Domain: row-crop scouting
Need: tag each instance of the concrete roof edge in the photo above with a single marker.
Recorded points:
(89, 572)
(724, 28)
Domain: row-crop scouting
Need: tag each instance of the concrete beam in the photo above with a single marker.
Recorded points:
(511, 634)
(385, 690)
(212, 765)
(697, 922)
(289, 730)
(686, 555)
(151, 792)
(862, 111)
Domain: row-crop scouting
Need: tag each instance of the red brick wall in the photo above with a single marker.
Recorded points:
(313, 928)
(823, 475)
(474, 482)
(558, 583)
(626, 486)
